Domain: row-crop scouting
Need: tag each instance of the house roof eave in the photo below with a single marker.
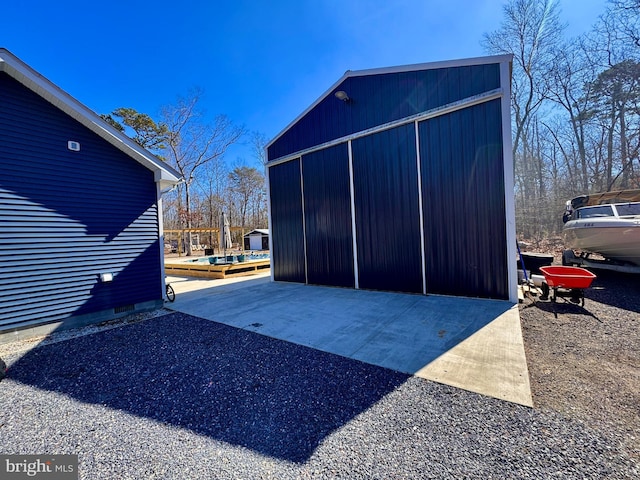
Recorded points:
(31, 79)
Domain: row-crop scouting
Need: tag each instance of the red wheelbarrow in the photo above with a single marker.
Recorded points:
(566, 282)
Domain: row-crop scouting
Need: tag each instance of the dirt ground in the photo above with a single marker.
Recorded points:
(585, 361)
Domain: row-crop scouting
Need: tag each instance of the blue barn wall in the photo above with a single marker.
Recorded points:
(381, 98)
(327, 216)
(461, 167)
(429, 168)
(387, 210)
(287, 229)
(68, 216)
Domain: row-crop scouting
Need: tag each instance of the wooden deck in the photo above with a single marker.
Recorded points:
(204, 270)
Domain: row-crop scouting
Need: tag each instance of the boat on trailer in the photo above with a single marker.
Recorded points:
(607, 224)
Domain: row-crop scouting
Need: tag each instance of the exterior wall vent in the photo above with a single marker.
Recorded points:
(124, 308)
(73, 146)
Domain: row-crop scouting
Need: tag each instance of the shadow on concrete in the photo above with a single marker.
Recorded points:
(403, 332)
(246, 389)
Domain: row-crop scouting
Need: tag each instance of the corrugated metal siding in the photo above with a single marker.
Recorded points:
(327, 216)
(68, 216)
(378, 99)
(285, 190)
(463, 198)
(387, 211)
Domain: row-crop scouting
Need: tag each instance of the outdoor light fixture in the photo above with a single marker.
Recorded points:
(106, 277)
(342, 95)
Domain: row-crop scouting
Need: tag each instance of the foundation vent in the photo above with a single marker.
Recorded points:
(124, 308)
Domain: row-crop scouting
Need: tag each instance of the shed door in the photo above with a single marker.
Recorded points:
(385, 177)
(285, 189)
(327, 217)
(464, 203)
(255, 242)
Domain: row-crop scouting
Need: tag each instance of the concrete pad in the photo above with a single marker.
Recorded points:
(491, 361)
(474, 344)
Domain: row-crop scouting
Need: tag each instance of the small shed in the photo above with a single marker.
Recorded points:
(400, 179)
(257, 239)
(80, 211)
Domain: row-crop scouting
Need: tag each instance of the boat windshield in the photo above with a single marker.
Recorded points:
(628, 209)
(593, 212)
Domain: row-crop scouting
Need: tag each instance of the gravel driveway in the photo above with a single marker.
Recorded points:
(175, 396)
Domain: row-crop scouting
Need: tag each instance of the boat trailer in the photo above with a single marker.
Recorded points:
(584, 260)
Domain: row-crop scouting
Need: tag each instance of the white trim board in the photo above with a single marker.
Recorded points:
(435, 112)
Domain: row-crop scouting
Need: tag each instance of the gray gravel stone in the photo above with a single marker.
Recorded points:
(179, 397)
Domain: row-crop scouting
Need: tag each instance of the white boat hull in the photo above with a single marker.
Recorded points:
(613, 238)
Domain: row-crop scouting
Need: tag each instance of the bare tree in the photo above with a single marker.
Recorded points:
(194, 142)
(628, 13)
(259, 142)
(247, 186)
(616, 42)
(617, 94)
(575, 104)
(617, 32)
(570, 86)
(211, 183)
(532, 32)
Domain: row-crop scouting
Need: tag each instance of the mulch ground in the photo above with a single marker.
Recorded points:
(585, 361)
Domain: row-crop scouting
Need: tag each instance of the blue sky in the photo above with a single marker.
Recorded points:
(259, 62)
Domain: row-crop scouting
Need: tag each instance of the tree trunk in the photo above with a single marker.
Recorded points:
(610, 147)
(624, 153)
(187, 194)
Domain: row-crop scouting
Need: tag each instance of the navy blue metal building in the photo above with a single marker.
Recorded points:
(80, 211)
(400, 179)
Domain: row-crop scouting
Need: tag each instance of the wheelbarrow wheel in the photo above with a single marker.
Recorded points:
(545, 291)
(577, 297)
(171, 294)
